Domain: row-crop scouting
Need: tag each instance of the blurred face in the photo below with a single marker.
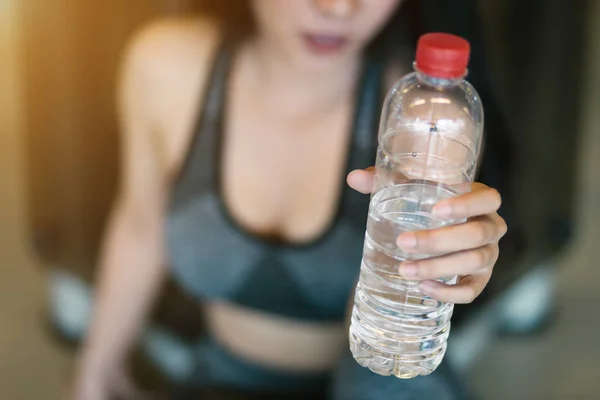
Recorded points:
(319, 32)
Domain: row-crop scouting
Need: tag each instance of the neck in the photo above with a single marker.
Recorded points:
(313, 88)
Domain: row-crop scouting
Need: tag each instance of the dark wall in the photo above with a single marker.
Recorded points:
(536, 48)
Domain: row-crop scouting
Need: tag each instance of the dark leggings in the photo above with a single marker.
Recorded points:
(350, 381)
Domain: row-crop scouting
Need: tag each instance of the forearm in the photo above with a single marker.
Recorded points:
(131, 271)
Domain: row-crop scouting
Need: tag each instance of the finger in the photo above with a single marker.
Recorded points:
(362, 180)
(461, 263)
(475, 233)
(481, 200)
(463, 292)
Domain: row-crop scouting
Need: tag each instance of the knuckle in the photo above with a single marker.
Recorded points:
(489, 255)
(480, 257)
(480, 232)
(495, 251)
(496, 198)
(503, 227)
(470, 294)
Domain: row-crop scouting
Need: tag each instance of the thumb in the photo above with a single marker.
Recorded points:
(362, 180)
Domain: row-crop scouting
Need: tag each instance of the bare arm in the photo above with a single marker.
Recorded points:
(164, 71)
(131, 264)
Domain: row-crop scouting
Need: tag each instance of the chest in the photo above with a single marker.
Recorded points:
(282, 176)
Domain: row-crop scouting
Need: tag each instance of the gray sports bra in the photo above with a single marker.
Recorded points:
(212, 257)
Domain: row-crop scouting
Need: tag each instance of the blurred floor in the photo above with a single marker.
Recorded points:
(560, 364)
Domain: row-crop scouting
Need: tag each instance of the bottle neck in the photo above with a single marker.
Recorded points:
(437, 82)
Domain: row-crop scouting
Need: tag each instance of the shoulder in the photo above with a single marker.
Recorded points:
(168, 43)
(167, 58)
(175, 43)
(165, 70)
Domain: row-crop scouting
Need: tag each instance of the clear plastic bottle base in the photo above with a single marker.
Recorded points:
(400, 366)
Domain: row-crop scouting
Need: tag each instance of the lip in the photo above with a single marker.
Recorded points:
(325, 44)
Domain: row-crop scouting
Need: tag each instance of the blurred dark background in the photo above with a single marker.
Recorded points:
(58, 168)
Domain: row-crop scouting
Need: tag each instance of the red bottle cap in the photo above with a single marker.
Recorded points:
(443, 55)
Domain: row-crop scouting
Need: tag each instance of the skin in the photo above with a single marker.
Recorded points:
(165, 71)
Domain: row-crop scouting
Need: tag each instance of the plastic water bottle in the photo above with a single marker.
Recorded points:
(429, 140)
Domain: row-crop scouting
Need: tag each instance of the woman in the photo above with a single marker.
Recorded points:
(244, 204)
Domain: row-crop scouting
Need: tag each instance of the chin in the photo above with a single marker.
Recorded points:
(312, 60)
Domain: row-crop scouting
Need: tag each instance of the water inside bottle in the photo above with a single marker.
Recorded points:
(396, 329)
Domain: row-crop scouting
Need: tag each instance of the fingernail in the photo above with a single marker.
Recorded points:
(407, 241)
(409, 269)
(427, 287)
(442, 210)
